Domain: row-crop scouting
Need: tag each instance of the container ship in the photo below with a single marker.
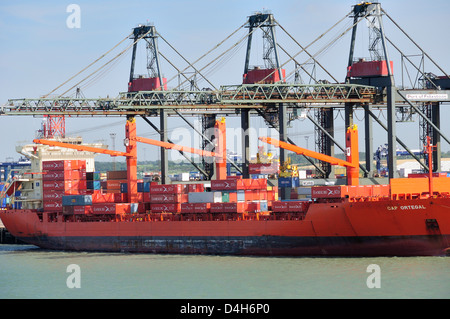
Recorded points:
(65, 204)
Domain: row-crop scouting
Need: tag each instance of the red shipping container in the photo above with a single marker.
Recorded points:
(257, 184)
(234, 177)
(216, 208)
(100, 197)
(280, 207)
(249, 195)
(120, 197)
(165, 208)
(63, 185)
(188, 208)
(253, 207)
(297, 206)
(327, 191)
(114, 184)
(53, 206)
(111, 208)
(227, 207)
(53, 195)
(146, 197)
(227, 184)
(168, 198)
(63, 175)
(168, 189)
(82, 210)
(202, 207)
(193, 188)
(63, 165)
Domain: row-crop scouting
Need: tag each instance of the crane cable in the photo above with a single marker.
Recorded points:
(118, 55)
(103, 55)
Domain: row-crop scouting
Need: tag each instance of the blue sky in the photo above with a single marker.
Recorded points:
(38, 51)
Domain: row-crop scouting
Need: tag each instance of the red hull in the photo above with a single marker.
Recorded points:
(375, 228)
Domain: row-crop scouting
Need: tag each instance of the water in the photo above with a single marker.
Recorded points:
(28, 272)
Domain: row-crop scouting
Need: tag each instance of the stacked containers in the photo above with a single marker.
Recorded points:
(167, 198)
(114, 179)
(255, 193)
(93, 181)
(63, 177)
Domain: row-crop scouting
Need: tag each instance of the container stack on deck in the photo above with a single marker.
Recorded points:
(59, 178)
(68, 188)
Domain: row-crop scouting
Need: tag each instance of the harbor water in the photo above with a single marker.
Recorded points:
(28, 272)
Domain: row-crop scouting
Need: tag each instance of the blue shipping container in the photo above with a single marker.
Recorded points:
(143, 187)
(76, 200)
(93, 185)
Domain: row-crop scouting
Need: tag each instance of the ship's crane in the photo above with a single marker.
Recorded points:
(352, 154)
(131, 151)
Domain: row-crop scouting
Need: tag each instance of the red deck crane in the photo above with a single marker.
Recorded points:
(352, 153)
(131, 152)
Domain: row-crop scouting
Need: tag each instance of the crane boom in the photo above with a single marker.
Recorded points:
(176, 147)
(306, 152)
(80, 147)
(352, 154)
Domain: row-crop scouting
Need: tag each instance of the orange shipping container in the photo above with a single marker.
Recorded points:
(114, 184)
(63, 165)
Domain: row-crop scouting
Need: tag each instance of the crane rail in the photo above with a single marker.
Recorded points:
(226, 98)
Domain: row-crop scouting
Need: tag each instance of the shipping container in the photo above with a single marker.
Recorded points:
(64, 185)
(202, 207)
(111, 208)
(196, 188)
(100, 197)
(63, 165)
(227, 184)
(53, 206)
(95, 185)
(228, 207)
(76, 200)
(280, 207)
(82, 210)
(205, 197)
(143, 187)
(77, 210)
(116, 175)
(263, 168)
(168, 188)
(188, 208)
(165, 208)
(61, 175)
(297, 206)
(93, 176)
(52, 195)
(168, 198)
(115, 184)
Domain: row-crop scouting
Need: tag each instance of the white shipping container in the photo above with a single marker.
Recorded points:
(304, 190)
(205, 197)
(302, 174)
